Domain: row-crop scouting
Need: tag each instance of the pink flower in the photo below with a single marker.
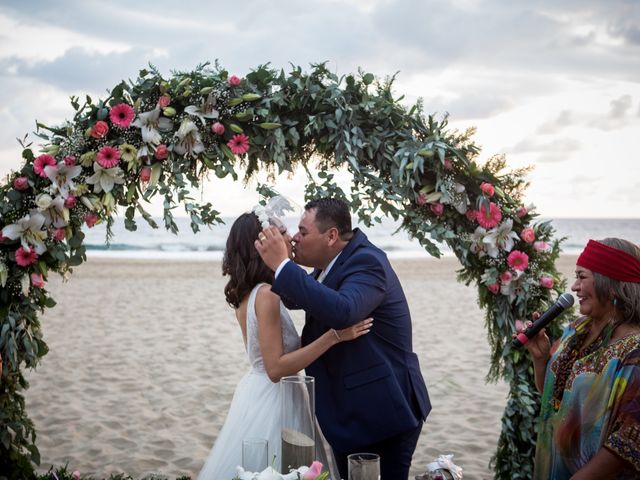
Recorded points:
(528, 235)
(448, 165)
(505, 277)
(122, 115)
(520, 326)
(546, 282)
(162, 152)
(487, 188)
(21, 183)
(70, 160)
(145, 174)
(471, 215)
(59, 234)
(518, 260)
(422, 199)
(70, 201)
(25, 257)
(37, 280)
(75, 475)
(489, 217)
(108, 157)
(437, 209)
(541, 246)
(521, 212)
(494, 288)
(239, 144)
(217, 128)
(41, 162)
(234, 81)
(164, 101)
(100, 129)
(90, 219)
(314, 471)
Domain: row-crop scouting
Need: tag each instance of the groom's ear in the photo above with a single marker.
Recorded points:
(332, 236)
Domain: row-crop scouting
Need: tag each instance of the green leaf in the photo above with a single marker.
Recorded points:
(269, 125)
(236, 128)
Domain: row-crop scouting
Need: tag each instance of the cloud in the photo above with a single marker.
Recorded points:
(617, 116)
(551, 148)
(564, 119)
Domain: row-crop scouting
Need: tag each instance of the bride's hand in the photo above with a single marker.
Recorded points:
(355, 331)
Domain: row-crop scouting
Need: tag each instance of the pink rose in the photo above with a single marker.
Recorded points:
(145, 174)
(21, 183)
(314, 471)
(90, 219)
(471, 215)
(422, 199)
(70, 201)
(100, 129)
(217, 128)
(546, 282)
(521, 212)
(505, 277)
(493, 288)
(69, 160)
(437, 209)
(487, 188)
(541, 246)
(528, 235)
(75, 475)
(448, 165)
(37, 280)
(164, 101)
(162, 152)
(234, 81)
(59, 234)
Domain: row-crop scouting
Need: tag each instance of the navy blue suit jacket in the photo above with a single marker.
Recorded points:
(369, 389)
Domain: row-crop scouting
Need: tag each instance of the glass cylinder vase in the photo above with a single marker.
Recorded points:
(298, 422)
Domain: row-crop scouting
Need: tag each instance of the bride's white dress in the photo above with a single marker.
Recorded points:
(255, 410)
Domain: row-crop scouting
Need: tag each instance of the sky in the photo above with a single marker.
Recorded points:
(554, 84)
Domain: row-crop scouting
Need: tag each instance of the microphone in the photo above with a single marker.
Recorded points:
(564, 301)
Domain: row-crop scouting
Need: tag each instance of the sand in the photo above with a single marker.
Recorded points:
(145, 355)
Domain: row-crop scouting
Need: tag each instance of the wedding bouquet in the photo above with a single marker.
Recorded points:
(314, 472)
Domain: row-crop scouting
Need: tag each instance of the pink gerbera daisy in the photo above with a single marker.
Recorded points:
(108, 157)
(41, 162)
(518, 260)
(25, 257)
(489, 217)
(239, 144)
(122, 115)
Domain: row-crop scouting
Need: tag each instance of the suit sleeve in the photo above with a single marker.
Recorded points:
(361, 290)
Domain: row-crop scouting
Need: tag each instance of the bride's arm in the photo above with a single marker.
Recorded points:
(279, 364)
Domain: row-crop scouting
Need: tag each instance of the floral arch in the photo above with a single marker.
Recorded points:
(157, 136)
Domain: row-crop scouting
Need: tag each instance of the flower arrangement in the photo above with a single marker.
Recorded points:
(156, 136)
(312, 472)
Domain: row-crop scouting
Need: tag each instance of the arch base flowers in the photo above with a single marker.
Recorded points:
(159, 136)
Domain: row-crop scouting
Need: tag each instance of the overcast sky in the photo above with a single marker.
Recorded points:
(550, 83)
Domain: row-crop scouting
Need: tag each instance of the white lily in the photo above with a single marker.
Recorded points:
(206, 110)
(477, 244)
(501, 237)
(105, 178)
(56, 213)
(189, 141)
(25, 284)
(149, 123)
(61, 177)
(29, 230)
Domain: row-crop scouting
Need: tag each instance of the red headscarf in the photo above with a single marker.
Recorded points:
(610, 262)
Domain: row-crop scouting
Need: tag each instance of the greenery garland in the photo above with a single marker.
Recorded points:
(156, 136)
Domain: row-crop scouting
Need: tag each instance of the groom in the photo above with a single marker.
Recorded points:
(371, 396)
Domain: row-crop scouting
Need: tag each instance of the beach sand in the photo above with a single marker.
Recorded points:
(145, 355)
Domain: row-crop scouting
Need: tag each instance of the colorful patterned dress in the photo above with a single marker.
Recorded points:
(599, 406)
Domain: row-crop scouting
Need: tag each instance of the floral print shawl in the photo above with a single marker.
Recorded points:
(600, 407)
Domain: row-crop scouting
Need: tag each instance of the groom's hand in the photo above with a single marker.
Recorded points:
(272, 247)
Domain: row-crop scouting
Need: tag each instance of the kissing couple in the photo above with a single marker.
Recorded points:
(356, 341)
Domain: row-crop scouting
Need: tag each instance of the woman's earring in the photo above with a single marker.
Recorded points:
(615, 302)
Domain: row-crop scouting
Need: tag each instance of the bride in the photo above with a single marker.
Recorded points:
(273, 347)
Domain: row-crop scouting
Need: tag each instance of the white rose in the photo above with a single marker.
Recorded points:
(43, 201)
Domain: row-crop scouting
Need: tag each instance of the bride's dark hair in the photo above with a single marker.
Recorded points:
(241, 260)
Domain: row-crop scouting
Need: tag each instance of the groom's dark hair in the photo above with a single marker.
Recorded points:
(331, 212)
